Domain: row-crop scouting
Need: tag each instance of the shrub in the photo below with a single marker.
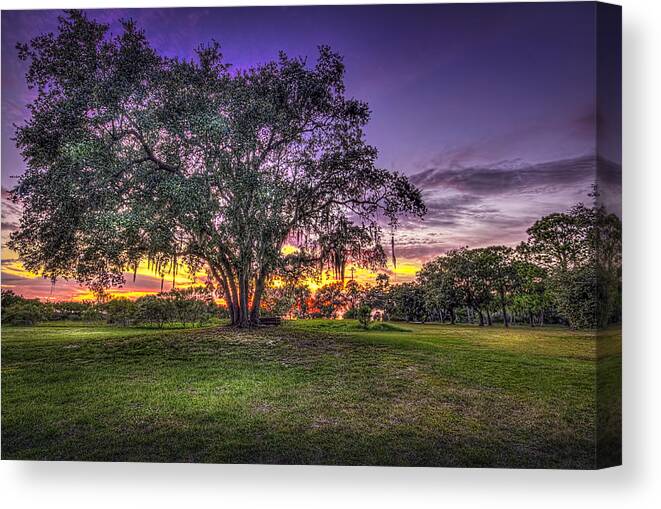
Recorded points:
(193, 305)
(155, 309)
(351, 314)
(120, 311)
(23, 313)
(364, 315)
(92, 314)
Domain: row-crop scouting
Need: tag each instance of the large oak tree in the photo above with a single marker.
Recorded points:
(135, 156)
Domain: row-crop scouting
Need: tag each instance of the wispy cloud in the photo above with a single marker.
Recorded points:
(495, 203)
(510, 176)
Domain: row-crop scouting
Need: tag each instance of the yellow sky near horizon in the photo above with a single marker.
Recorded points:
(31, 285)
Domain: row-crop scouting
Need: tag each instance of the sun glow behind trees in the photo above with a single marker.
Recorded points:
(147, 282)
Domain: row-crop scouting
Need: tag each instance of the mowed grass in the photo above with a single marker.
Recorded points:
(309, 392)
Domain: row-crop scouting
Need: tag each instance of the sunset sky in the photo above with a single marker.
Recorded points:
(490, 109)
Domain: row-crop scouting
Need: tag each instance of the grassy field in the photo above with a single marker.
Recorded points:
(311, 392)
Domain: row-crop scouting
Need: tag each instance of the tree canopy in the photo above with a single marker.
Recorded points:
(136, 156)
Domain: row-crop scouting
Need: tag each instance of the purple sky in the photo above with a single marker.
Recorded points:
(489, 108)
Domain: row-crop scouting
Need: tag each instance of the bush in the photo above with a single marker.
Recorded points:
(187, 306)
(364, 315)
(23, 313)
(120, 311)
(351, 314)
(155, 309)
(92, 314)
(191, 305)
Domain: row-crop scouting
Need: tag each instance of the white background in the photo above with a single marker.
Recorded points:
(636, 484)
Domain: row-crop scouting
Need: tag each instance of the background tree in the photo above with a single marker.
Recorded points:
(582, 251)
(155, 309)
(531, 293)
(120, 311)
(607, 242)
(9, 298)
(355, 294)
(279, 300)
(376, 295)
(17, 310)
(406, 302)
(499, 272)
(66, 310)
(194, 305)
(441, 293)
(578, 295)
(470, 268)
(330, 300)
(135, 156)
(562, 240)
(303, 301)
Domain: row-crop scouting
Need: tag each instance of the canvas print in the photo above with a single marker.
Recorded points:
(384, 235)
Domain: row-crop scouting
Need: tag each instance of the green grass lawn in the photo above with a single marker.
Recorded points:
(311, 392)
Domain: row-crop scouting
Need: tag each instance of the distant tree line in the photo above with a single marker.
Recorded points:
(188, 307)
(567, 271)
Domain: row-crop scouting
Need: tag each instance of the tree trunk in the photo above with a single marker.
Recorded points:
(481, 316)
(488, 318)
(452, 316)
(257, 299)
(531, 318)
(502, 304)
(244, 311)
(235, 293)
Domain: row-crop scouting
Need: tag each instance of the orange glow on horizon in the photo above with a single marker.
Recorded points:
(148, 282)
(405, 271)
